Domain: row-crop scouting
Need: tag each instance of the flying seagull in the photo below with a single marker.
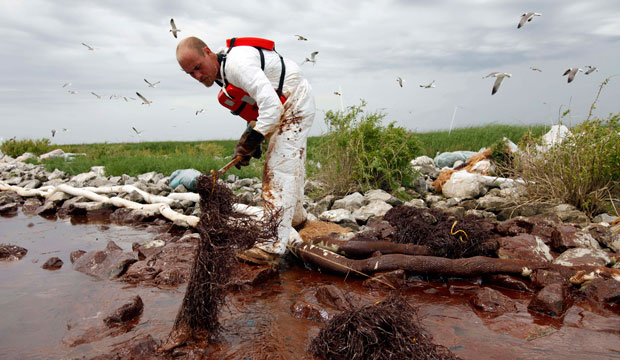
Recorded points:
(535, 69)
(152, 84)
(526, 17)
(431, 85)
(137, 132)
(199, 111)
(72, 92)
(499, 77)
(66, 84)
(400, 81)
(89, 47)
(98, 96)
(590, 70)
(53, 132)
(299, 37)
(571, 72)
(144, 100)
(312, 58)
(174, 29)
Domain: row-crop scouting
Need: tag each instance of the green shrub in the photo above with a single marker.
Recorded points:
(15, 148)
(358, 153)
(583, 170)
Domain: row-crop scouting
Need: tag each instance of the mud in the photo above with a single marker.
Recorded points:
(59, 314)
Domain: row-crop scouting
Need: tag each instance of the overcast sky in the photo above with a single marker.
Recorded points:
(363, 47)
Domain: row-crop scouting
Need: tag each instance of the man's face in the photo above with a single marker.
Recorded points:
(201, 66)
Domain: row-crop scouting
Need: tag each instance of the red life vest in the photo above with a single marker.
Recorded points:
(236, 99)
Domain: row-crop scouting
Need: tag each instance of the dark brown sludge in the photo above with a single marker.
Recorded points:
(387, 330)
(223, 233)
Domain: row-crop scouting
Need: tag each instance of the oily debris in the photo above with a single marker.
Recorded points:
(387, 330)
(223, 233)
(436, 229)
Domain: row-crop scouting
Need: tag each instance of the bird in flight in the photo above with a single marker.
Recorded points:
(498, 80)
(98, 96)
(53, 132)
(431, 85)
(590, 70)
(299, 37)
(312, 58)
(72, 92)
(400, 81)
(139, 133)
(533, 68)
(174, 29)
(199, 111)
(152, 85)
(526, 17)
(337, 93)
(89, 47)
(66, 84)
(571, 72)
(144, 100)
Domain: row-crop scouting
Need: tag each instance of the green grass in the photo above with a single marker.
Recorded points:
(138, 164)
(473, 138)
(167, 156)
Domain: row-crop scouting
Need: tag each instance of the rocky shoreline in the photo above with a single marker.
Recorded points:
(557, 234)
(553, 234)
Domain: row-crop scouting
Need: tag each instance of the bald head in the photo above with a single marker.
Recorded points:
(198, 61)
(191, 43)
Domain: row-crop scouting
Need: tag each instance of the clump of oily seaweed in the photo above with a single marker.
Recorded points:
(223, 233)
(387, 330)
(436, 229)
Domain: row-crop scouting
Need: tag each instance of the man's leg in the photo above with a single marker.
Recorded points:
(283, 176)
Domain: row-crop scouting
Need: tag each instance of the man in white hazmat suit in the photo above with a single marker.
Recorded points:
(285, 119)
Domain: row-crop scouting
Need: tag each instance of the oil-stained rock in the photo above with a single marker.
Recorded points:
(552, 300)
(335, 297)
(127, 312)
(492, 301)
(53, 263)
(76, 255)
(305, 310)
(10, 252)
(105, 264)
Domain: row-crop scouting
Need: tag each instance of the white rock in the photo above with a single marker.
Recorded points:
(52, 154)
(463, 185)
(375, 208)
(377, 194)
(417, 203)
(422, 160)
(25, 156)
(583, 256)
(350, 202)
(337, 215)
(99, 170)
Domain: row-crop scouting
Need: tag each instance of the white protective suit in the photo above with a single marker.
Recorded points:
(286, 124)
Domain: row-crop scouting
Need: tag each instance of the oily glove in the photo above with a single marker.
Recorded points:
(248, 147)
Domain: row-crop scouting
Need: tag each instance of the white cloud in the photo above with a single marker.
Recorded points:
(363, 46)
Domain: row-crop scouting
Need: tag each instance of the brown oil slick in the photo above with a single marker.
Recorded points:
(58, 315)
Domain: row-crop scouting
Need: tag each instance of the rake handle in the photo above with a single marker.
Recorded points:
(225, 168)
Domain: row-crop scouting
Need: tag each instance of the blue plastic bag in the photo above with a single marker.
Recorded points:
(185, 177)
(449, 158)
